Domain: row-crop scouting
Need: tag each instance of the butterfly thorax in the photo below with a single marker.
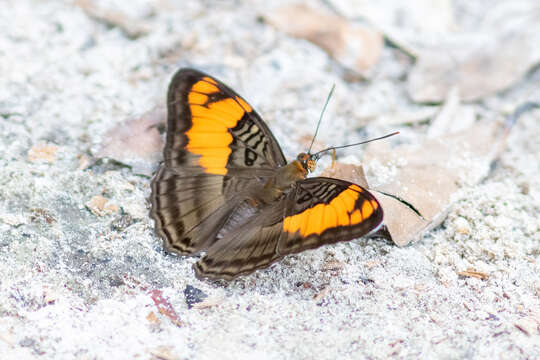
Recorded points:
(286, 177)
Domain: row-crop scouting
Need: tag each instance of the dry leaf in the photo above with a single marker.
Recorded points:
(429, 174)
(452, 117)
(355, 46)
(430, 16)
(346, 172)
(424, 177)
(133, 28)
(137, 141)
(405, 115)
(42, 152)
(100, 206)
(492, 58)
(403, 22)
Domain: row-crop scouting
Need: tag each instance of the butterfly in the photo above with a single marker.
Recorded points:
(224, 187)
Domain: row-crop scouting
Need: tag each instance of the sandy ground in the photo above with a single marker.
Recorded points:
(80, 284)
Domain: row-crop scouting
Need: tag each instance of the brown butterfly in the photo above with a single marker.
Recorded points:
(225, 188)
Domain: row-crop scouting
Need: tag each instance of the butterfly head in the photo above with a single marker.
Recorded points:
(308, 161)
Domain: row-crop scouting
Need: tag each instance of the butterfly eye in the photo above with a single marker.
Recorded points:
(307, 161)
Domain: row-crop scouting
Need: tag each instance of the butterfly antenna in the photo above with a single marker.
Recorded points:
(320, 118)
(317, 155)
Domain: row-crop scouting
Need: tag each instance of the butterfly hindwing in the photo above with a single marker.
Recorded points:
(188, 210)
(217, 148)
(319, 211)
(324, 211)
(251, 246)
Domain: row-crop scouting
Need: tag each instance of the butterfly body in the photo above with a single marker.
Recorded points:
(225, 188)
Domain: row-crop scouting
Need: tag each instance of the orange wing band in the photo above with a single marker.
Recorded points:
(209, 134)
(340, 211)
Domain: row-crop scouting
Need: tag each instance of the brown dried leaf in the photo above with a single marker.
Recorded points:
(132, 27)
(426, 182)
(499, 52)
(355, 46)
(453, 116)
(346, 172)
(403, 22)
(405, 115)
(100, 206)
(43, 153)
(430, 16)
(137, 141)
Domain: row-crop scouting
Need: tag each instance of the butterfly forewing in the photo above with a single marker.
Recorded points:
(216, 128)
(217, 149)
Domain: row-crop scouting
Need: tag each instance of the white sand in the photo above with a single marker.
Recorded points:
(77, 285)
